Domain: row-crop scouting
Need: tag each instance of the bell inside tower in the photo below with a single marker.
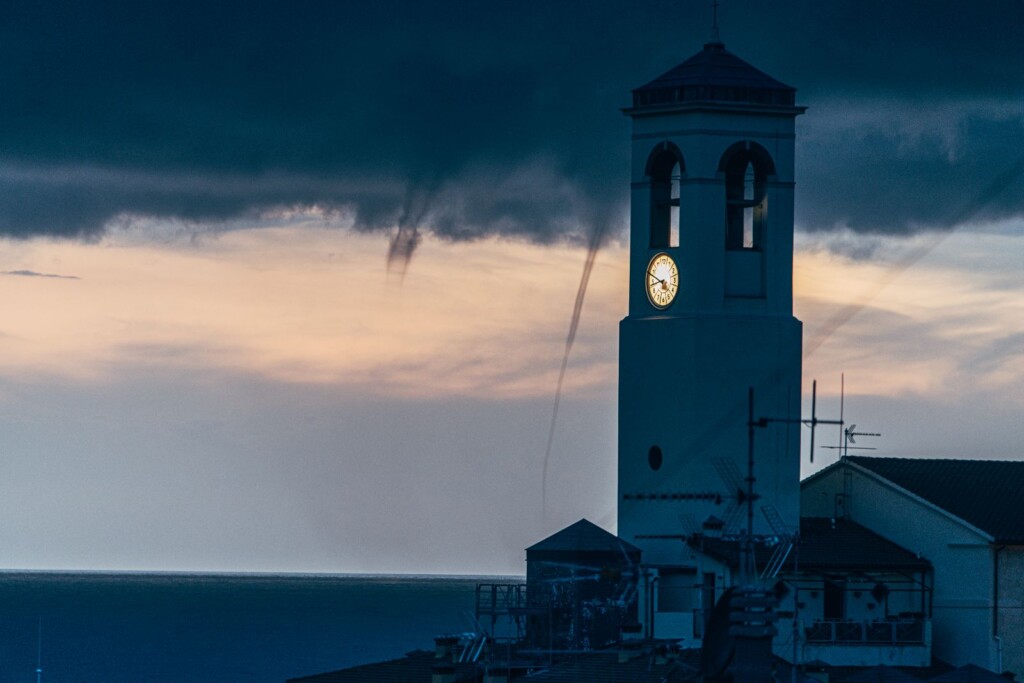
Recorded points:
(746, 200)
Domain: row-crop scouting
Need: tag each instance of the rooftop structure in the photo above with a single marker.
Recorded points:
(714, 75)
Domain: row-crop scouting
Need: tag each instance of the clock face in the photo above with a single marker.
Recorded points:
(662, 280)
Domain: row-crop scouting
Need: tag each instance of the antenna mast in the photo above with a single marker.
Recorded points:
(847, 435)
(715, 38)
(814, 421)
(747, 569)
(39, 652)
(848, 438)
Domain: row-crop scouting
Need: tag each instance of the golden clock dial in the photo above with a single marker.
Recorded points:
(662, 280)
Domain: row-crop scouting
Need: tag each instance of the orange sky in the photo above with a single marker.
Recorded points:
(301, 404)
(312, 304)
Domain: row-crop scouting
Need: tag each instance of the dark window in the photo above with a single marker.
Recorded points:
(675, 591)
(708, 596)
(835, 606)
(654, 458)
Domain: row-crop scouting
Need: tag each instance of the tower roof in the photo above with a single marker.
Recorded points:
(714, 75)
(584, 536)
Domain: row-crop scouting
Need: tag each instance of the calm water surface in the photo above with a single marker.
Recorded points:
(115, 628)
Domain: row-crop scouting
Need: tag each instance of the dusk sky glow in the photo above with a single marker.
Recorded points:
(225, 376)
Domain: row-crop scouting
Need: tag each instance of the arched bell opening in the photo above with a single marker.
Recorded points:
(747, 168)
(665, 168)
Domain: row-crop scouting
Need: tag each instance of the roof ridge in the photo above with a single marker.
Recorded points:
(932, 459)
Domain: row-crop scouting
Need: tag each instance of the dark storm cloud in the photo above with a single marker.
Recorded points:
(887, 178)
(205, 111)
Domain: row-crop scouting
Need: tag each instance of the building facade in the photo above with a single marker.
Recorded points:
(964, 517)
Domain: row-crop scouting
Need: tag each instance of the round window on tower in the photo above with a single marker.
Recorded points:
(654, 457)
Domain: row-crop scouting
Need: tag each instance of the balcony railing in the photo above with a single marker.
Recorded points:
(896, 632)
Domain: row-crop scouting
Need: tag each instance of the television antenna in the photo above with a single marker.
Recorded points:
(813, 421)
(849, 436)
(739, 489)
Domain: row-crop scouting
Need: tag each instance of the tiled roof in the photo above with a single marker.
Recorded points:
(881, 674)
(984, 493)
(714, 75)
(841, 674)
(604, 667)
(416, 667)
(969, 673)
(583, 536)
(594, 667)
(827, 545)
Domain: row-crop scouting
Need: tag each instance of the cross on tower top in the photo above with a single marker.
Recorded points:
(715, 38)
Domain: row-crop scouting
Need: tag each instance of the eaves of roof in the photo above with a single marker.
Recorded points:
(919, 499)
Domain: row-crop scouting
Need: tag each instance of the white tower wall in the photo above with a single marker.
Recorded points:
(684, 372)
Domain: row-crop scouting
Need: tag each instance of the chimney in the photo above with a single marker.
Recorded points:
(445, 647)
(446, 650)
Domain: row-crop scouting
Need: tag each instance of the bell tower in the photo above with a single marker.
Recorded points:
(710, 300)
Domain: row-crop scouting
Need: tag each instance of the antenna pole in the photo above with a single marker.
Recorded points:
(842, 400)
(814, 413)
(796, 604)
(39, 651)
(714, 22)
(748, 560)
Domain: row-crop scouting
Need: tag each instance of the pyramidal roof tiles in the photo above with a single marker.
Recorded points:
(583, 536)
(714, 75)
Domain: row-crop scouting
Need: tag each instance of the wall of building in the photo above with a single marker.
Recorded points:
(1011, 608)
(868, 655)
(685, 625)
(962, 558)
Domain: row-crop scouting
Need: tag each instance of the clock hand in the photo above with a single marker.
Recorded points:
(656, 277)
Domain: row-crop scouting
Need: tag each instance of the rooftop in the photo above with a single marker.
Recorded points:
(584, 536)
(637, 665)
(417, 665)
(606, 667)
(827, 544)
(983, 493)
(714, 75)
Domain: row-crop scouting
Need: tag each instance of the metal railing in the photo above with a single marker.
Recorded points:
(499, 599)
(841, 632)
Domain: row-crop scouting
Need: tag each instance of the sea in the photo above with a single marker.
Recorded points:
(90, 627)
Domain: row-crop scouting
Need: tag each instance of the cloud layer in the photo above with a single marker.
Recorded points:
(504, 113)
